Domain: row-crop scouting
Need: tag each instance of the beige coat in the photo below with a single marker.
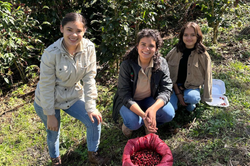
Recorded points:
(199, 72)
(60, 75)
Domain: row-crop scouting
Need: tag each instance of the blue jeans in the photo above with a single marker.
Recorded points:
(77, 111)
(191, 98)
(134, 122)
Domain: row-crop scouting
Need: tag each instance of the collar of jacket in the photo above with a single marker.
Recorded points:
(195, 51)
(59, 45)
(137, 67)
(154, 77)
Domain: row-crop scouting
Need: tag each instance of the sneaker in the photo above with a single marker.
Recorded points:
(56, 161)
(126, 131)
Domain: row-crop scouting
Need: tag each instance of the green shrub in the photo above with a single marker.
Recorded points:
(20, 46)
(214, 10)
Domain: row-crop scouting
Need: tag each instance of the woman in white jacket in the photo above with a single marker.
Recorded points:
(63, 65)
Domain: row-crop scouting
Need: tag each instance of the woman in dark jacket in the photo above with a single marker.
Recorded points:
(144, 86)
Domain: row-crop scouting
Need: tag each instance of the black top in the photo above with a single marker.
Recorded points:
(182, 72)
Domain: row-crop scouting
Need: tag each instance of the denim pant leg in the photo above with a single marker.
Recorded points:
(78, 111)
(134, 122)
(174, 100)
(191, 97)
(52, 136)
(130, 119)
(163, 115)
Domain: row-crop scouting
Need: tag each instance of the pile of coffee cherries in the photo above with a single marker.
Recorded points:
(145, 158)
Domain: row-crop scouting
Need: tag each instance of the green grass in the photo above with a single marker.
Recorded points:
(20, 133)
(209, 136)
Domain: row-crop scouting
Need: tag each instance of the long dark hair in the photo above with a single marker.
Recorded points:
(73, 17)
(198, 45)
(155, 34)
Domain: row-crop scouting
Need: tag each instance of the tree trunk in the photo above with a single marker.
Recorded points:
(22, 74)
(215, 31)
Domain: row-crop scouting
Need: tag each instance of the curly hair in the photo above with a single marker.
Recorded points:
(133, 52)
(198, 45)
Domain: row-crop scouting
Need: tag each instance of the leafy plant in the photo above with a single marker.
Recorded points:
(48, 14)
(168, 45)
(19, 45)
(214, 11)
(120, 22)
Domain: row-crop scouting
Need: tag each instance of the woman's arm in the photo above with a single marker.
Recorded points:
(207, 96)
(176, 89)
(164, 91)
(47, 86)
(179, 94)
(126, 81)
(165, 85)
(137, 110)
(47, 82)
(89, 83)
(151, 114)
(90, 91)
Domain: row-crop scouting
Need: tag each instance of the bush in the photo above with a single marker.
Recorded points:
(122, 20)
(19, 44)
(215, 9)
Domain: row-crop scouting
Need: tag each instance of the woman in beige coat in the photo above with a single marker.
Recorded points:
(190, 69)
(63, 65)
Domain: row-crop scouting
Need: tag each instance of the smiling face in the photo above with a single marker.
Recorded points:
(189, 37)
(146, 49)
(73, 33)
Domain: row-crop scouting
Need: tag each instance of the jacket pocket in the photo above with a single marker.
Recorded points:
(63, 71)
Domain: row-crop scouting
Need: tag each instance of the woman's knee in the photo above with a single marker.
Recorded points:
(193, 99)
(132, 123)
(89, 124)
(130, 119)
(174, 101)
(169, 112)
(192, 96)
(170, 116)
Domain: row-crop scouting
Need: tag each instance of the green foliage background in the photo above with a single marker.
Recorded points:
(30, 26)
(208, 136)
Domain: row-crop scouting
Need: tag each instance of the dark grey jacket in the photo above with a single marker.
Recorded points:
(161, 84)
